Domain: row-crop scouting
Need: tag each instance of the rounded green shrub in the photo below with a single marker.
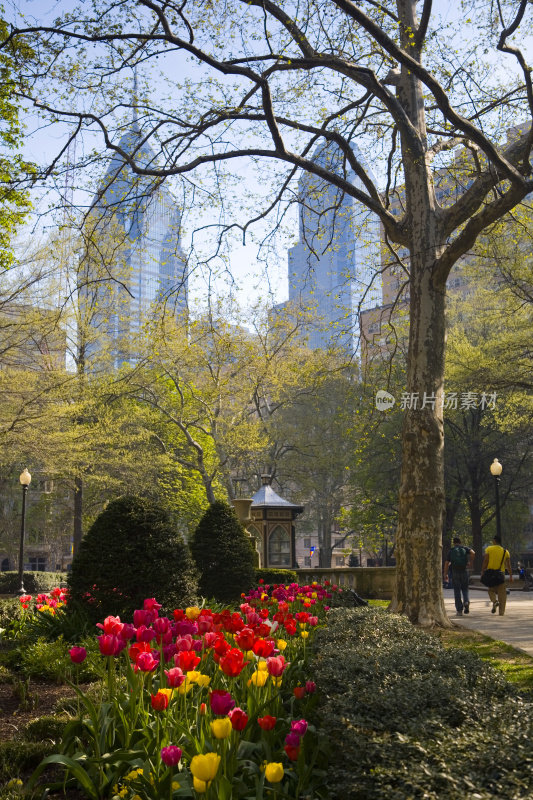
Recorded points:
(223, 553)
(132, 551)
(272, 575)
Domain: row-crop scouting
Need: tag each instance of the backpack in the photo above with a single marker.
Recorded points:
(459, 557)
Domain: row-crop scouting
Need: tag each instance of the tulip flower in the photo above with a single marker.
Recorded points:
(171, 755)
(299, 726)
(239, 719)
(263, 648)
(221, 728)
(187, 660)
(245, 639)
(199, 786)
(151, 604)
(112, 626)
(77, 654)
(259, 678)
(299, 692)
(221, 702)
(276, 665)
(146, 662)
(159, 701)
(292, 752)
(274, 772)
(109, 645)
(292, 739)
(310, 687)
(205, 767)
(267, 722)
(232, 663)
(175, 677)
(192, 612)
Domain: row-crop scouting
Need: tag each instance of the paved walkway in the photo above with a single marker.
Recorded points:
(514, 628)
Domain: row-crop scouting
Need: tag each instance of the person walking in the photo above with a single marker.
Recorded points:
(498, 558)
(460, 558)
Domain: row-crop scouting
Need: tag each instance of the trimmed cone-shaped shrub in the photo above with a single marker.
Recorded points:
(131, 552)
(223, 554)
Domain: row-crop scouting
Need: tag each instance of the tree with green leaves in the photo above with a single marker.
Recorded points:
(277, 81)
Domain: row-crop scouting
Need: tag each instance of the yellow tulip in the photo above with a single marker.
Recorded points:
(204, 767)
(192, 612)
(281, 644)
(200, 786)
(274, 772)
(259, 678)
(304, 634)
(221, 728)
(262, 665)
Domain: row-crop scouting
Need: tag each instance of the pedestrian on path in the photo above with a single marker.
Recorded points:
(498, 558)
(460, 558)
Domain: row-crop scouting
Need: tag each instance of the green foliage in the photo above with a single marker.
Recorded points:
(14, 200)
(131, 552)
(34, 582)
(223, 554)
(416, 720)
(47, 728)
(271, 575)
(19, 758)
(50, 661)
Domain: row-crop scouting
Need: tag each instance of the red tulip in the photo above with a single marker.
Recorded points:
(77, 654)
(239, 719)
(187, 660)
(299, 692)
(267, 722)
(159, 701)
(263, 648)
(245, 639)
(232, 664)
(292, 752)
(109, 644)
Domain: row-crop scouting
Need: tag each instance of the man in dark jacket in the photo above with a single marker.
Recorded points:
(460, 558)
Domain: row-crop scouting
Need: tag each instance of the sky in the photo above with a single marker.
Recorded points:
(247, 272)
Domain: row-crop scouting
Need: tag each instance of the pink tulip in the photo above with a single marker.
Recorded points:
(175, 677)
(171, 755)
(109, 645)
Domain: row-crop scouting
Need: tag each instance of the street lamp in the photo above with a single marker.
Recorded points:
(496, 471)
(25, 480)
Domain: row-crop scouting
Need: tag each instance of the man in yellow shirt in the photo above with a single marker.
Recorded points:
(496, 557)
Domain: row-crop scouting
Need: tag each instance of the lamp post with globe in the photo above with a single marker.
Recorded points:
(25, 480)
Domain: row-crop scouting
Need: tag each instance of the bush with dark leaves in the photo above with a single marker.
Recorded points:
(414, 720)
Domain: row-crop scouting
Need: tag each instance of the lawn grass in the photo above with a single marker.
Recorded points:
(515, 665)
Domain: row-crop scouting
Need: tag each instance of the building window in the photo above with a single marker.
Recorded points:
(279, 548)
(5, 565)
(307, 561)
(338, 543)
(38, 563)
(307, 544)
(339, 561)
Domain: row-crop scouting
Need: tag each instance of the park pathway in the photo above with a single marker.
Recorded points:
(514, 628)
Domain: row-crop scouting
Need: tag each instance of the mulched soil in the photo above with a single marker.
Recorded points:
(41, 700)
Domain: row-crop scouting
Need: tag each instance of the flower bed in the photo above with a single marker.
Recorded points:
(207, 702)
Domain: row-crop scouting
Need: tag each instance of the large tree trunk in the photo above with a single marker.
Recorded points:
(422, 499)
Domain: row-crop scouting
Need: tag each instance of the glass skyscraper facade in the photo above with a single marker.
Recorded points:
(335, 263)
(136, 261)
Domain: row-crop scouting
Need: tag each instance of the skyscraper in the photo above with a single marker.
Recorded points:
(134, 259)
(333, 266)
